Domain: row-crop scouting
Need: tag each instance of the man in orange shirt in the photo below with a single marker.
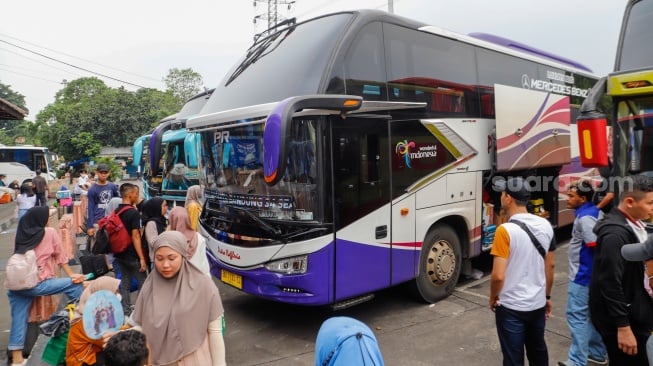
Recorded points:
(522, 276)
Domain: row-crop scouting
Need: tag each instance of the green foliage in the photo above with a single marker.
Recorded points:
(85, 143)
(183, 84)
(110, 116)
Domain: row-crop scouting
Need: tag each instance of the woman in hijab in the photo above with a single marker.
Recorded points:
(32, 233)
(179, 221)
(346, 341)
(179, 309)
(193, 205)
(154, 222)
(81, 350)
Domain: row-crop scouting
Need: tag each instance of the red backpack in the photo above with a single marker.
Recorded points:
(115, 230)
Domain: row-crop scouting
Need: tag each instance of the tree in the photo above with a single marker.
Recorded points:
(85, 143)
(183, 84)
(111, 116)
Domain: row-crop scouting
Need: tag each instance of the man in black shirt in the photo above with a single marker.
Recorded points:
(131, 262)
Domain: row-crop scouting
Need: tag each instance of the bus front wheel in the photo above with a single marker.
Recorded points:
(439, 265)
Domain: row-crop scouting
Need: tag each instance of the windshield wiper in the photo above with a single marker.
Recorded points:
(257, 51)
(264, 225)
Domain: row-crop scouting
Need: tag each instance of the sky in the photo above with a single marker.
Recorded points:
(139, 41)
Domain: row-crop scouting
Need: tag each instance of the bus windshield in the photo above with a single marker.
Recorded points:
(635, 121)
(235, 185)
(284, 72)
(634, 49)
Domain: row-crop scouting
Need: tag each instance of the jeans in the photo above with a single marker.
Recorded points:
(41, 200)
(129, 269)
(585, 340)
(20, 301)
(519, 329)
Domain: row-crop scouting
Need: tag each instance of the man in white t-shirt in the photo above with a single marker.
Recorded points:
(522, 276)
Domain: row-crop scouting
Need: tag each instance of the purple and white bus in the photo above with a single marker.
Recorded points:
(354, 151)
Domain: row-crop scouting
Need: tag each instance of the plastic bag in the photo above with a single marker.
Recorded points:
(57, 325)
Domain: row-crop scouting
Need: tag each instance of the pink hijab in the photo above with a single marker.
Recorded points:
(180, 221)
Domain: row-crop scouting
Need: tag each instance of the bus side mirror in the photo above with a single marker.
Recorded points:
(276, 133)
(593, 139)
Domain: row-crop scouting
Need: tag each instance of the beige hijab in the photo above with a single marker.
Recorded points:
(102, 283)
(180, 221)
(193, 194)
(175, 313)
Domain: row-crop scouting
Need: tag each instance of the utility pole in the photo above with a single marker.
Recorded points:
(391, 7)
(271, 14)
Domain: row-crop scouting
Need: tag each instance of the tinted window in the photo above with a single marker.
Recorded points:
(423, 67)
(365, 64)
(360, 168)
(635, 45)
(293, 63)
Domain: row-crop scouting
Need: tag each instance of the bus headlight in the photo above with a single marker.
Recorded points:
(291, 266)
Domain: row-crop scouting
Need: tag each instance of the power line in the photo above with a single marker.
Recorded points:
(41, 62)
(30, 76)
(74, 66)
(82, 59)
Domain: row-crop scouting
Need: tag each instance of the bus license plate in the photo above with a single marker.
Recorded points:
(231, 279)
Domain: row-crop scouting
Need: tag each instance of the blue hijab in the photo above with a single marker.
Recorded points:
(346, 341)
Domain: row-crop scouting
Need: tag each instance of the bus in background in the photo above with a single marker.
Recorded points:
(356, 151)
(616, 121)
(21, 162)
(167, 157)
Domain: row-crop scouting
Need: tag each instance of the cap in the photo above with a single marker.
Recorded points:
(516, 187)
(639, 251)
(102, 167)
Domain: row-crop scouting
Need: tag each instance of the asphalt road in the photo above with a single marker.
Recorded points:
(456, 331)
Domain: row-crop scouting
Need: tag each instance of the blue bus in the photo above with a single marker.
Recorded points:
(167, 156)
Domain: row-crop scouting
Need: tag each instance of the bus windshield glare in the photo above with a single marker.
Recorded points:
(233, 171)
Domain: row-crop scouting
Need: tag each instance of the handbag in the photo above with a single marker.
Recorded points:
(95, 264)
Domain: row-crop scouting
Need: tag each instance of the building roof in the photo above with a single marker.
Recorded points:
(11, 111)
(110, 151)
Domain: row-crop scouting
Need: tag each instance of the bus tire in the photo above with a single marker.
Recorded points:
(439, 265)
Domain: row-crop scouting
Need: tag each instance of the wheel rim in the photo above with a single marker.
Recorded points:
(441, 262)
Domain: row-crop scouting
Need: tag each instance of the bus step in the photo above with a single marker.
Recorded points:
(351, 302)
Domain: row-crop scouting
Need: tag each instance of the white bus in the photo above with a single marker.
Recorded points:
(21, 162)
(356, 150)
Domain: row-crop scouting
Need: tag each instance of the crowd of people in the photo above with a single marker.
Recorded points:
(609, 306)
(177, 317)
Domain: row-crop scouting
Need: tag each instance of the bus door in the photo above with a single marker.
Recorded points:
(361, 206)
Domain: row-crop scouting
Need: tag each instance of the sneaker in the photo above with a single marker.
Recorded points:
(597, 360)
(565, 363)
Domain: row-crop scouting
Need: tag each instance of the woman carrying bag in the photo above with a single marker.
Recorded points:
(32, 233)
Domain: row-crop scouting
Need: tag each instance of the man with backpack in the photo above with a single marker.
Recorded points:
(131, 260)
